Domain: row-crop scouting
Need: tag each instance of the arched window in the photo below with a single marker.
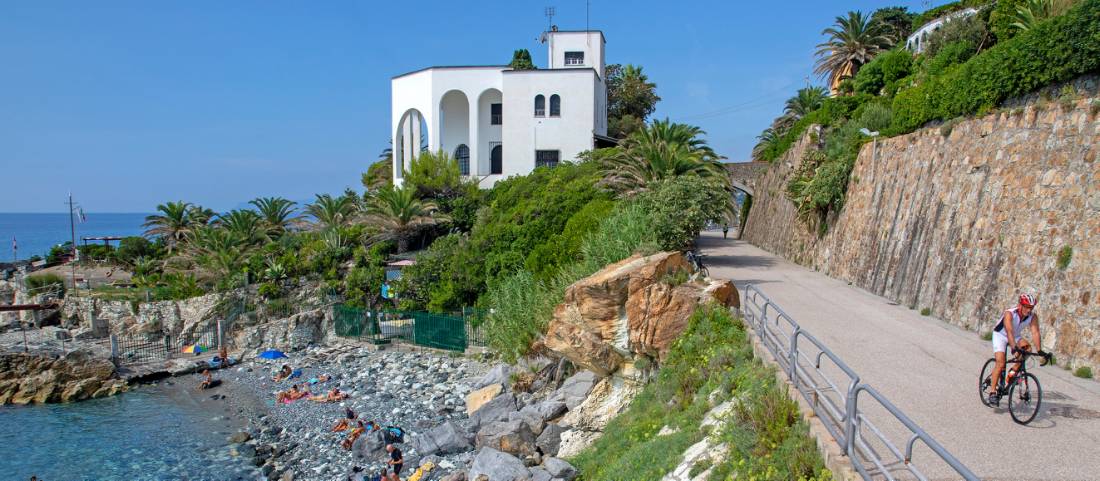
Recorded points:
(540, 106)
(462, 155)
(555, 106)
(496, 160)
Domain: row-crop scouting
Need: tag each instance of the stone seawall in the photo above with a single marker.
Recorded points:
(958, 220)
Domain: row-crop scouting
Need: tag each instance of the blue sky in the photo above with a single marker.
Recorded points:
(133, 103)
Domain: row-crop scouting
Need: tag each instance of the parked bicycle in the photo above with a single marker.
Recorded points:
(1022, 388)
(696, 261)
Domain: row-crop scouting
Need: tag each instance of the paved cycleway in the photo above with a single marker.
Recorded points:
(929, 369)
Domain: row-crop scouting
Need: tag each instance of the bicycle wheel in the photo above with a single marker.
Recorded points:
(984, 382)
(705, 272)
(1024, 398)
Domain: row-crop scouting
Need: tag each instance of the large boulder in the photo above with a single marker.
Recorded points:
(575, 389)
(609, 397)
(497, 466)
(498, 409)
(478, 398)
(499, 374)
(512, 437)
(447, 438)
(371, 446)
(559, 468)
(536, 415)
(76, 376)
(630, 309)
(550, 439)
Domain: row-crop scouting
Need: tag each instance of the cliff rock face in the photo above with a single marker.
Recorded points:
(627, 310)
(28, 378)
(959, 223)
(295, 332)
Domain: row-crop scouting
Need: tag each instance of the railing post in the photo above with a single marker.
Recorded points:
(221, 334)
(792, 356)
(850, 419)
(114, 346)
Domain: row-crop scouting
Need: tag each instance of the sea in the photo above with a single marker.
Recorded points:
(34, 234)
(155, 432)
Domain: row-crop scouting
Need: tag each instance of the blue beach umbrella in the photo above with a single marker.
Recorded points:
(271, 354)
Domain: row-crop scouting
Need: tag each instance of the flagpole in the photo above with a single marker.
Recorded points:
(72, 232)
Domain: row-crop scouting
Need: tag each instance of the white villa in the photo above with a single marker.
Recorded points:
(499, 122)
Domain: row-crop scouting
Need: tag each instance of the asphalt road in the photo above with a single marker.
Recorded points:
(929, 369)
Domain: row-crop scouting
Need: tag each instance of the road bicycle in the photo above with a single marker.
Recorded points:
(1022, 388)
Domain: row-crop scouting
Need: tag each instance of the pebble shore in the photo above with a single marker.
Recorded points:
(414, 389)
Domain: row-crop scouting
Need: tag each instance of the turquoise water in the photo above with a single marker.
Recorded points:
(154, 433)
(36, 233)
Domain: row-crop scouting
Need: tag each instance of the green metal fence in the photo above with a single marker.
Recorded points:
(440, 331)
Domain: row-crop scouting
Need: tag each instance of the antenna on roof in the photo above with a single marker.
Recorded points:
(549, 12)
(587, 37)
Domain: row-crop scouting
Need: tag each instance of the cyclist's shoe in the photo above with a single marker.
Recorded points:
(994, 399)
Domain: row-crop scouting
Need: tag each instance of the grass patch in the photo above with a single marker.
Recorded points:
(987, 336)
(927, 311)
(1065, 256)
(1083, 372)
(767, 438)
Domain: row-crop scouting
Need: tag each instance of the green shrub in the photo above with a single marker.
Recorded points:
(885, 68)
(561, 249)
(1053, 51)
(680, 207)
(96, 252)
(269, 290)
(933, 13)
(1084, 372)
(627, 230)
(952, 54)
(1003, 16)
(132, 248)
(926, 311)
(987, 336)
(40, 283)
(833, 111)
(1065, 256)
(973, 30)
(58, 252)
(875, 117)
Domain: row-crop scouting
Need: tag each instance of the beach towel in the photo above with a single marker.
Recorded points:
(422, 471)
(394, 435)
(295, 373)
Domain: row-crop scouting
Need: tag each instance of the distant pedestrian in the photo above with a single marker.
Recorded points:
(396, 460)
(725, 230)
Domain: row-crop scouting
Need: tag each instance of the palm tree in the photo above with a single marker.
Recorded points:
(1034, 11)
(662, 150)
(245, 224)
(219, 250)
(278, 214)
(766, 140)
(332, 211)
(399, 213)
(201, 216)
(173, 224)
(852, 42)
(805, 101)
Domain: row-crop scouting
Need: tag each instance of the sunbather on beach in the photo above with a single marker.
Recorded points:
(333, 395)
(353, 435)
(283, 373)
(292, 394)
(208, 381)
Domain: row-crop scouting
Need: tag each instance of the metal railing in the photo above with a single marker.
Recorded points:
(833, 391)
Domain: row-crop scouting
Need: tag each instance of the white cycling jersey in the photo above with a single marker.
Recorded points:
(1000, 336)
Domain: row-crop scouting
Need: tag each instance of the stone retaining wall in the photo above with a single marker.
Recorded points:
(958, 223)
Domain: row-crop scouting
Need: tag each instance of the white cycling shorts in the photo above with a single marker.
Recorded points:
(1000, 343)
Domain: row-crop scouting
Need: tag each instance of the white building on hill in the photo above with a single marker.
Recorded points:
(500, 122)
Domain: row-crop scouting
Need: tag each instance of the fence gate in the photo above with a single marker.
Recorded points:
(439, 331)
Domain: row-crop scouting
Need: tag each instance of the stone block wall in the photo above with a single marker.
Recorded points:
(958, 223)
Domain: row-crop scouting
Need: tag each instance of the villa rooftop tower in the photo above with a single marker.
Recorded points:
(499, 122)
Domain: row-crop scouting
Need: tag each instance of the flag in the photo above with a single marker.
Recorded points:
(83, 218)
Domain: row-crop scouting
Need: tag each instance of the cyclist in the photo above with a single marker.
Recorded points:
(1008, 334)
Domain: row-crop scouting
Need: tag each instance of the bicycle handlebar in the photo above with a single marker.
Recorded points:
(1043, 354)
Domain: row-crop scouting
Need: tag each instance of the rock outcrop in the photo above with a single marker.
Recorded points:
(28, 378)
(628, 310)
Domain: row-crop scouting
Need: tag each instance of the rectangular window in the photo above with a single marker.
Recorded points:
(574, 58)
(495, 114)
(547, 158)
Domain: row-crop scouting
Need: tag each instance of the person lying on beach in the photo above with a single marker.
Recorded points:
(293, 394)
(283, 373)
(333, 395)
(345, 423)
(353, 435)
